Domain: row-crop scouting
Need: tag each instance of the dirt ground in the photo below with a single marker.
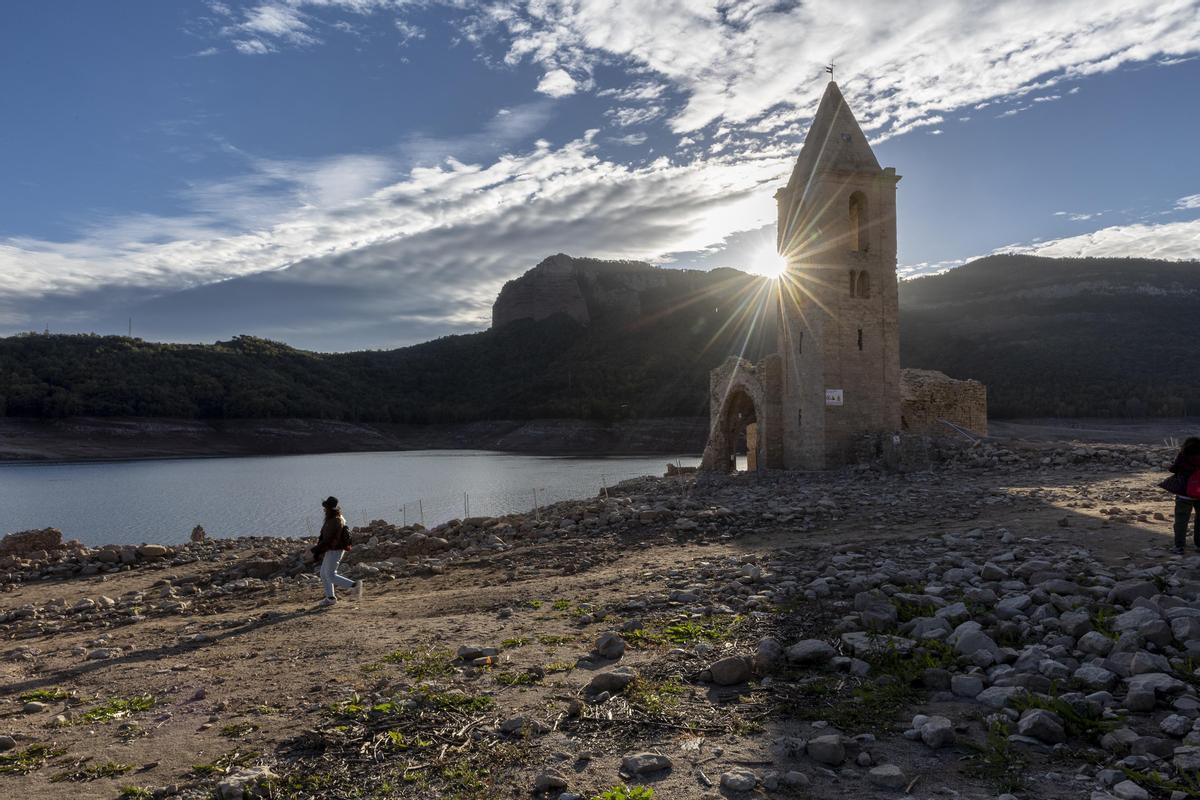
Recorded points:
(258, 678)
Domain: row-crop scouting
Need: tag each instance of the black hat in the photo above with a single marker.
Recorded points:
(330, 502)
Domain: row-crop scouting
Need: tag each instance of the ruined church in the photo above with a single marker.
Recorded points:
(833, 392)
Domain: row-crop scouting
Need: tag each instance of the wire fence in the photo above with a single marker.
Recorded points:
(432, 510)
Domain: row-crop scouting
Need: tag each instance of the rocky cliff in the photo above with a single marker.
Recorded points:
(590, 290)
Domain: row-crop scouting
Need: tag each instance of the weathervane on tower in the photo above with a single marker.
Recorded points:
(829, 69)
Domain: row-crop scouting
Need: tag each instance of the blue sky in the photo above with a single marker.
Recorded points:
(342, 174)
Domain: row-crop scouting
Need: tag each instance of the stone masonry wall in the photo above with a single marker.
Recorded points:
(926, 397)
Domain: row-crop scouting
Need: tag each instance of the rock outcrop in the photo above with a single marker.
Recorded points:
(591, 290)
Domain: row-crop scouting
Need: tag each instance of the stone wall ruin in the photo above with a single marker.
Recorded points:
(929, 399)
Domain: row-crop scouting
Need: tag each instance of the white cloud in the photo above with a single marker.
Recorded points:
(644, 90)
(1191, 201)
(278, 21)
(557, 83)
(503, 215)
(734, 61)
(627, 116)
(408, 32)
(252, 47)
(1174, 241)
(630, 139)
(1078, 216)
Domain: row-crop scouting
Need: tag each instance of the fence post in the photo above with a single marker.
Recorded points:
(421, 506)
(603, 486)
(404, 515)
(466, 505)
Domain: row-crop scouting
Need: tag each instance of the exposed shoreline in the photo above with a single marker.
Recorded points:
(94, 440)
(30, 441)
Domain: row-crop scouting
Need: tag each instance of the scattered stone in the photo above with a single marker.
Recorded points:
(887, 776)
(730, 671)
(827, 749)
(739, 780)
(644, 763)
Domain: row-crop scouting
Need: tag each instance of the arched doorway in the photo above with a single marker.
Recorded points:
(740, 431)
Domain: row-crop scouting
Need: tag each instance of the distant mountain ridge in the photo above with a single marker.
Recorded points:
(590, 339)
(1062, 337)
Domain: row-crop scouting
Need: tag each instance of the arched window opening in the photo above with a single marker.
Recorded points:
(863, 287)
(858, 222)
(853, 282)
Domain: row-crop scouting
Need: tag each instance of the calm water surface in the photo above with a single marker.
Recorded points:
(161, 500)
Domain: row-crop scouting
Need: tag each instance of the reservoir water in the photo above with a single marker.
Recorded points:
(162, 500)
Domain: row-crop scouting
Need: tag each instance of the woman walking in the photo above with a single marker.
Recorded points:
(331, 544)
(1183, 482)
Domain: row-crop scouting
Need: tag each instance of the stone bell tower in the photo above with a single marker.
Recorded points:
(839, 317)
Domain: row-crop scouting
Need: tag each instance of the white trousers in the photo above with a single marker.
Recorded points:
(329, 576)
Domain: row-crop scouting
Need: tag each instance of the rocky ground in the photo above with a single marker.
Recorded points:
(1011, 621)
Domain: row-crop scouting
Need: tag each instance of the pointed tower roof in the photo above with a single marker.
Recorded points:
(834, 141)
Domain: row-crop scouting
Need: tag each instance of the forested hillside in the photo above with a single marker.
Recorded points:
(1078, 337)
(1062, 337)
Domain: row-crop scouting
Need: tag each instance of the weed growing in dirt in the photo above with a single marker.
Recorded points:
(32, 758)
(400, 741)
(516, 678)
(451, 700)
(654, 697)
(423, 664)
(238, 729)
(45, 695)
(1088, 726)
(225, 763)
(551, 640)
(509, 644)
(714, 629)
(117, 708)
(561, 605)
(623, 792)
(558, 666)
(640, 638)
(128, 731)
(135, 793)
(1188, 784)
(1102, 620)
(534, 604)
(998, 762)
(109, 769)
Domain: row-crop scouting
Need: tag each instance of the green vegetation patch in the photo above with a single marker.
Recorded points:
(109, 769)
(135, 793)
(118, 708)
(553, 640)
(623, 792)
(1088, 726)
(423, 664)
(237, 730)
(32, 758)
(225, 763)
(997, 762)
(516, 678)
(653, 696)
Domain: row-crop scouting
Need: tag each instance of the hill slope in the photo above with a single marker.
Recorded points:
(1061, 337)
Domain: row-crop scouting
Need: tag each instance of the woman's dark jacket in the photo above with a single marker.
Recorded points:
(1185, 465)
(335, 535)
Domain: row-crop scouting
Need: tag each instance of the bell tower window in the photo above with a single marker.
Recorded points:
(863, 286)
(858, 222)
(853, 283)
